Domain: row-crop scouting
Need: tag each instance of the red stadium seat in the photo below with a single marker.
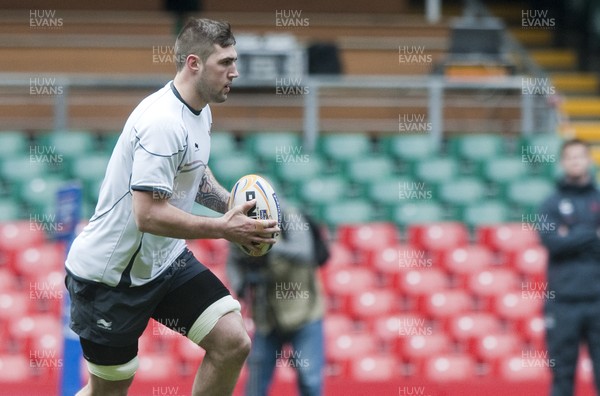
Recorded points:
(202, 252)
(462, 261)
(515, 305)
(190, 353)
(533, 330)
(347, 346)
(365, 237)
(445, 304)
(450, 367)
(156, 367)
(418, 284)
(36, 260)
(14, 368)
(47, 291)
(13, 304)
(374, 367)
(348, 281)
(472, 325)
(525, 366)
(531, 262)
(492, 282)
(28, 328)
(339, 256)
(387, 328)
(17, 236)
(374, 302)
(418, 347)
(336, 323)
(495, 346)
(507, 237)
(438, 236)
(8, 280)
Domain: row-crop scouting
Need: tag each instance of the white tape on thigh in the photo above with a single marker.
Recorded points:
(211, 315)
(114, 373)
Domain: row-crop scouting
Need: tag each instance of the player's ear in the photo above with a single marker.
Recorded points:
(193, 62)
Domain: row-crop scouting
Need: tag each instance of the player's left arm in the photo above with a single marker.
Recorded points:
(212, 194)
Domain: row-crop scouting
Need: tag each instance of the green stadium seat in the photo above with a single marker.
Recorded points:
(504, 169)
(19, 169)
(350, 211)
(541, 143)
(200, 210)
(69, 144)
(410, 148)
(222, 143)
(40, 193)
(292, 174)
(418, 212)
(462, 191)
(90, 170)
(436, 170)
(108, 141)
(323, 190)
(10, 210)
(387, 191)
(485, 213)
(277, 147)
(13, 143)
(363, 170)
(529, 193)
(228, 169)
(344, 146)
(477, 147)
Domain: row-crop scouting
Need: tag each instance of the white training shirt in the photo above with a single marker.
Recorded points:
(164, 148)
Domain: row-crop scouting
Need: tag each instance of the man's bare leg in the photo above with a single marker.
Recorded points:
(97, 386)
(227, 347)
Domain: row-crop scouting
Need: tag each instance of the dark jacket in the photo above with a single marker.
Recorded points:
(574, 258)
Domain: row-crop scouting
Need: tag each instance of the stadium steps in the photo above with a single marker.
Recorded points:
(555, 59)
(577, 83)
(577, 107)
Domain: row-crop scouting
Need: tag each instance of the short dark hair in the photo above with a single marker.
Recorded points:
(573, 142)
(198, 37)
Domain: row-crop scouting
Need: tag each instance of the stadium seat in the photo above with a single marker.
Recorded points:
(156, 367)
(418, 347)
(70, 144)
(300, 172)
(345, 347)
(490, 282)
(14, 368)
(108, 141)
(518, 305)
(13, 304)
(529, 193)
(407, 214)
(348, 211)
(348, 281)
(507, 237)
(391, 261)
(444, 304)
(11, 210)
(463, 191)
(410, 148)
(468, 326)
(462, 261)
(322, 190)
(90, 169)
(30, 327)
(190, 353)
(38, 260)
(387, 327)
(477, 147)
(531, 262)
(228, 169)
(519, 368)
(40, 194)
(336, 323)
(375, 302)
(339, 256)
(369, 169)
(533, 330)
(492, 347)
(450, 367)
(222, 143)
(371, 236)
(341, 147)
(47, 290)
(18, 169)
(374, 367)
(16, 236)
(418, 284)
(502, 170)
(438, 236)
(8, 280)
(13, 143)
(275, 147)
(485, 213)
(433, 171)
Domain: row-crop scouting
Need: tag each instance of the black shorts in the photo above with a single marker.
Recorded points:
(110, 320)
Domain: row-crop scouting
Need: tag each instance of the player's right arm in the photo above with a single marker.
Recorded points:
(155, 215)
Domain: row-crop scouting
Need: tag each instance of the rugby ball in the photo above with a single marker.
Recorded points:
(251, 187)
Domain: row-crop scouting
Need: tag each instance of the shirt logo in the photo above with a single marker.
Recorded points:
(196, 147)
(103, 324)
(565, 207)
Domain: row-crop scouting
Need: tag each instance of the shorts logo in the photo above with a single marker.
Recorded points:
(104, 324)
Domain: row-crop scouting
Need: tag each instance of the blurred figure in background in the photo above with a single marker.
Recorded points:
(284, 292)
(572, 237)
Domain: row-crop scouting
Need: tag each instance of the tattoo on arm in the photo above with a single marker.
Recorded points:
(211, 194)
